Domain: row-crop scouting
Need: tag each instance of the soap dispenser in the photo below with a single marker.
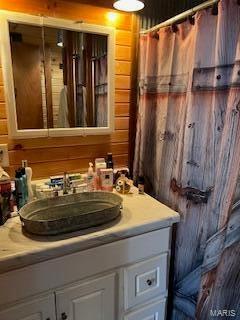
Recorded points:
(28, 172)
(90, 178)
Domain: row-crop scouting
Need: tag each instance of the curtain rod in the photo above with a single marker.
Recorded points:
(181, 16)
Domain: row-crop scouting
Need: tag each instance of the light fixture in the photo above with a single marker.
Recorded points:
(128, 5)
(112, 16)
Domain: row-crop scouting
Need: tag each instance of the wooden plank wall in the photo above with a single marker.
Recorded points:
(48, 156)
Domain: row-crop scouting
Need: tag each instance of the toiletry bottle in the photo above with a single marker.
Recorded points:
(141, 185)
(90, 178)
(100, 163)
(5, 196)
(106, 178)
(109, 161)
(28, 171)
(19, 189)
(66, 183)
(25, 190)
(13, 204)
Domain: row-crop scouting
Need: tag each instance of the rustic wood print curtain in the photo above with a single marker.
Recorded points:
(101, 88)
(188, 149)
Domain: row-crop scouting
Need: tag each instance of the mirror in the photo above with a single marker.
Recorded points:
(58, 75)
(76, 78)
(28, 74)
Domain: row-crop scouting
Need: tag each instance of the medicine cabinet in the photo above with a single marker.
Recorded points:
(58, 76)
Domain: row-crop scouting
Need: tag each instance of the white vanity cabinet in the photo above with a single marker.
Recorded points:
(40, 309)
(122, 280)
(91, 300)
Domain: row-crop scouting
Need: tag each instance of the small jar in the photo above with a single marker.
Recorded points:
(141, 185)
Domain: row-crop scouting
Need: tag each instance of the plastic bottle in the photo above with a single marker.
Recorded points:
(5, 196)
(28, 171)
(19, 184)
(141, 185)
(90, 178)
(25, 190)
(109, 161)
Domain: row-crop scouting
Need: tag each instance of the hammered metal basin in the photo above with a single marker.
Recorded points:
(69, 213)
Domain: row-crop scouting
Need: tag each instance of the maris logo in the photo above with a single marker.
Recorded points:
(223, 313)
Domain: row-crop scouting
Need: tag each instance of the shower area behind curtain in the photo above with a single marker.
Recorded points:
(80, 81)
(101, 87)
(90, 70)
(188, 150)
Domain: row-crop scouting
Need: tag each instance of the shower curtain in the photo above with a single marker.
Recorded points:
(101, 87)
(188, 150)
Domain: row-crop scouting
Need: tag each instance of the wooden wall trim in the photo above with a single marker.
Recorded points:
(134, 91)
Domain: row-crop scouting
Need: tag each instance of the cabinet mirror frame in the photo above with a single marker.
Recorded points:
(7, 17)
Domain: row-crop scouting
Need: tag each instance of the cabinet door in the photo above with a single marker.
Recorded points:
(39, 309)
(155, 311)
(92, 300)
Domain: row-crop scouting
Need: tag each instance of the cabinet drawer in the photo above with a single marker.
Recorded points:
(145, 280)
(155, 311)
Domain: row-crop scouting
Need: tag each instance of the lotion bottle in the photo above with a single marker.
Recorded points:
(28, 172)
(25, 191)
(90, 178)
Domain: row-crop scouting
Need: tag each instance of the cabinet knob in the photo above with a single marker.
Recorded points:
(64, 316)
(150, 282)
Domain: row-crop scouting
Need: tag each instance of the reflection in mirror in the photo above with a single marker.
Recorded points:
(76, 78)
(28, 75)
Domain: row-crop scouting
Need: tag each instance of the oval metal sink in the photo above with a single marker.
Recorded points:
(69, 213)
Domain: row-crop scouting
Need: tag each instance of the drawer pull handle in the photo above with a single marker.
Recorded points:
(64, 316)
(150, 282)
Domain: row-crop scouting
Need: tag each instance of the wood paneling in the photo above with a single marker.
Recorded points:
(122, 110)
(123, 67)
(90, 14)
(2, 99)
(50, 156)
(38, 143)
(123, 53)
(3, 111)
(1, 77)
(100, 3)
(67, 153)
(122, 82)
(122, 123)
(27, 83)
(122, 96)
(69, 10)
(123, 38)
(3, 127)
(45, 169)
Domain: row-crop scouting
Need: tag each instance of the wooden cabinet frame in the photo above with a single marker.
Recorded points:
(14, 132)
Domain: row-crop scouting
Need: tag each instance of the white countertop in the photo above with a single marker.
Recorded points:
(140, 214)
